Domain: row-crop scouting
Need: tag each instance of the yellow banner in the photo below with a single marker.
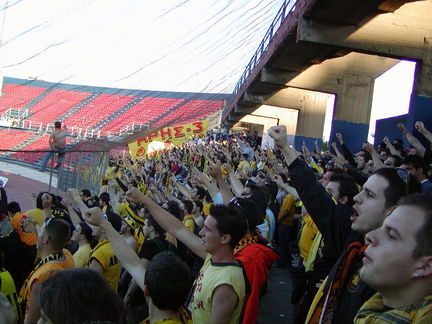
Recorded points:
(166, 137)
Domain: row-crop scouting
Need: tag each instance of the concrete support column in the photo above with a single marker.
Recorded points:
(310, 122)
(421, 98)
(352, 110)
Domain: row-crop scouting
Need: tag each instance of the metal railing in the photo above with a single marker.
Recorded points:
(83, 167)
(287, 7)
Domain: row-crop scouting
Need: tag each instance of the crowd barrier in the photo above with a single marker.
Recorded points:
(83, 166)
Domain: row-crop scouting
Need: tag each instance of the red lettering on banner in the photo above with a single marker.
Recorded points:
(199, 127)
(167, 132)
(178, 131)
(200, 305)
(199, 287)
(140, 140)
(152, 135)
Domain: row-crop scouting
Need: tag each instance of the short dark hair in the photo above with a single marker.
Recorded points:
(335, 170)
(347, 186)
(87, 231)
(201, 192)
(424, 234)
(272, 189)
(416, 161)
(400, 184)
(80, 294)
(261, 198)
(57, 124)
(39, 199)
(115, 220)
(157, 228)
(13, 207)
(248, 209)
(188, 205)
(397, 160)
(366, 155)
(229, 222)
(105, 197)
(168, 280)
(199, 204)
(86, 193)
(59, 232)
(174, 209)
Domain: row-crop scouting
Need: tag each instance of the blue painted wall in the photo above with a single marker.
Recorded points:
(310, 142)
(388, 127)
(354, 134)
(420, 109)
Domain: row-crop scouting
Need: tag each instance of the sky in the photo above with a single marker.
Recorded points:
(392, 93)
(169, 45)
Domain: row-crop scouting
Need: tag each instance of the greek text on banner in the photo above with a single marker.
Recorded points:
(175, 135)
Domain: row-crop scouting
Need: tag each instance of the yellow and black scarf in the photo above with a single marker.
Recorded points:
(374, 311)
(326, 306)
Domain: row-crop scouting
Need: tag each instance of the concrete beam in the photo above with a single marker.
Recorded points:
(423, 75)
(329, 75)
(235, 117)
(354, 101)
(252, 100)
(240, 109)
(400, 34)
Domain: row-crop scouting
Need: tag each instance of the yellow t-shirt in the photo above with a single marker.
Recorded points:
(189, 223)
(206, 208)
(104, 254)
(211, 276)
(81, 256)
(308, 233)
(243, 166)
(44, 272)
(288, 206)
(37, 214)
(253, 165)
(183, 314)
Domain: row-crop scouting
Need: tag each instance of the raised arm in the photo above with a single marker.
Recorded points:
(169, 223)
(338, 153)
(216, 173)
(46, 205)
(182, 188)
(375, 155)
(204, 180)
(346, 152)
(390, 146)
(422, 130)
(412, 140)
(126, 255)
(287, 188)
(74, 194)
(315, 198)
(236, 184)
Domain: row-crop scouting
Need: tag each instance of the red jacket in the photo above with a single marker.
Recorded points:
(256, 259)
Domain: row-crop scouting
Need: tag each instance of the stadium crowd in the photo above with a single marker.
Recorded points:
(189, 235)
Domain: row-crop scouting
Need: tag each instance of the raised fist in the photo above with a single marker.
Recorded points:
(73, 193)
(134, 195)
(94, 216)
(279, 135)
(419, 126)
(46, 201)
(401, 126)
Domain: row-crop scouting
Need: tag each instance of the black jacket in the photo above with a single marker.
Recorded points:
(333, 221)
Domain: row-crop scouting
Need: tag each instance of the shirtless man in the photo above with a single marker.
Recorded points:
(57, 142)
